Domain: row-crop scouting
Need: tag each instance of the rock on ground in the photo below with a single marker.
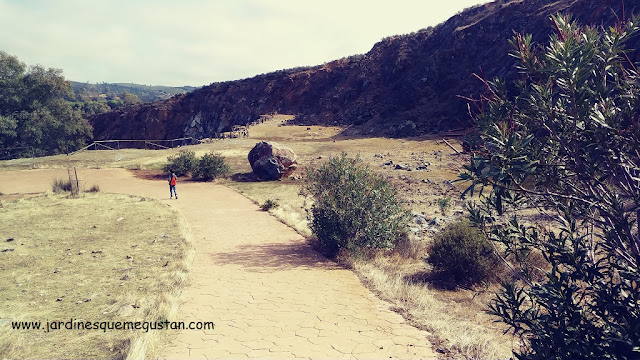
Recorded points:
(272, 161)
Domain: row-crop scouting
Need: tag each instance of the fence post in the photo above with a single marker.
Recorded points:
(77, 182)
(70, 181)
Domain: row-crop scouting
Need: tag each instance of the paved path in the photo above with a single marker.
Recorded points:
(269, 294)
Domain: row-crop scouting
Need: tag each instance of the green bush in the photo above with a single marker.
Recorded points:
(354, 208)
(444, 204)
(210, 166)
(269, 204)
(462, 254)
(182, 163)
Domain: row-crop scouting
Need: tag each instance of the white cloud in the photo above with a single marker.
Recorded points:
(197, 42)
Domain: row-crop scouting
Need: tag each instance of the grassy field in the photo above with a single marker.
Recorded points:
(456, 318)
(99, 257)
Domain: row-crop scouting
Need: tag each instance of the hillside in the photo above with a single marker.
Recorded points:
(145, 92)
(405, 85)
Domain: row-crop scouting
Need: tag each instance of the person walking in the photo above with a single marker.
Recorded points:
(173, 179)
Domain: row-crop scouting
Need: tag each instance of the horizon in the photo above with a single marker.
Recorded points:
(196, 43)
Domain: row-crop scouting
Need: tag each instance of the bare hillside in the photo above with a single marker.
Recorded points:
(405, 85)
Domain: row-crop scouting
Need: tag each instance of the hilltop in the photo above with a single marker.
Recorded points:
(146, 93)
(405, 85)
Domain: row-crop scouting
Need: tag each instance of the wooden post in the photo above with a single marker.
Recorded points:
(118, 143)
(77, 182)
(145, 145)
(70, 181)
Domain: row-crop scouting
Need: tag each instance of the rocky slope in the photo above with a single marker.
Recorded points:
(405, 85)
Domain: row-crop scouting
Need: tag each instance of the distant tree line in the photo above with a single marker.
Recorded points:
(124, 92)
(101, 103)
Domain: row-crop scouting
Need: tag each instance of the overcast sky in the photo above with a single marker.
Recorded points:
(197, 42)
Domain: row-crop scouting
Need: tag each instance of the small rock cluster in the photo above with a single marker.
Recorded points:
(420, 224)
(420, 164)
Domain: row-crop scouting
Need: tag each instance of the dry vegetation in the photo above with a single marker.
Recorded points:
(100, 257)
(456, 318)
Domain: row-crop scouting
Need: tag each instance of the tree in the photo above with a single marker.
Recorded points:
(33, 109)
(90, 108)
(130, 99)
(566, 142)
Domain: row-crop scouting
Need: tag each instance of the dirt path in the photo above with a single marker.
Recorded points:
(269, 294)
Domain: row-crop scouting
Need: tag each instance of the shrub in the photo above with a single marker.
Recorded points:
(59, 185)
(462, 254)
(94, 189)
(269, 204)
(182, 163)
(565, 139)
(210, 166)
(410, 248)
(472, 141)
(353, 208)
(444, 204)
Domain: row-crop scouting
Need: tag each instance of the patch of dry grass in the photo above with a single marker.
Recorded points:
(460, 327)
(100, 257)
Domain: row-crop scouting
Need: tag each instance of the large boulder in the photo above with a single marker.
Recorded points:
(272, 161)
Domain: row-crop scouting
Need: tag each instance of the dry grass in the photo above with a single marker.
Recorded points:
(61, 186)
(100, 257)
(460, 327)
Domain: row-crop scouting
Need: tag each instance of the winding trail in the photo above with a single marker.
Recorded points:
(269, 294)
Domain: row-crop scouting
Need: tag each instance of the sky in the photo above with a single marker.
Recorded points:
(198, 42)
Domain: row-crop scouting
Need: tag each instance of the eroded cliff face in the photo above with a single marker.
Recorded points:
(406, 85)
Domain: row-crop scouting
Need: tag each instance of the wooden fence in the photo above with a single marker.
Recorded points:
(138, 144)
(11, 152)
